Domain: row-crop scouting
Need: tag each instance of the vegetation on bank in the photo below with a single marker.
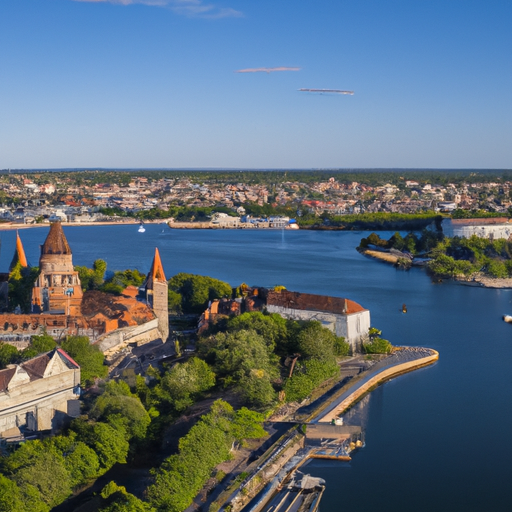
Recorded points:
(117, 424)
(454, 257)
(372, 177)
(376, 221)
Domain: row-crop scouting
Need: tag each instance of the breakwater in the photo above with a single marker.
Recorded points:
(278, 464)
(403, 360)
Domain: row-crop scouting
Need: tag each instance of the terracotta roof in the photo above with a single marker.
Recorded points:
(35, 367)
(56, 242)
(5, 378)
(307, 301)
(157, 269)
(19, 254)
(68, 360)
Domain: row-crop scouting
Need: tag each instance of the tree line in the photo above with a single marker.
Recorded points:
(451, 257)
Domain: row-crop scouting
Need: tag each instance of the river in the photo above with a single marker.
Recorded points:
(436, 439)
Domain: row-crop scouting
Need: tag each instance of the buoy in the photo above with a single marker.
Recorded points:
(404, 308)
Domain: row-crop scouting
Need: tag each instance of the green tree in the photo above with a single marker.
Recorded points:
(20, 283)
(92, 278)
(8, 354)
(122, 411)
(110, 445)
(316, 342)
(48, 474)
(88, 356)
(80, 460)
(272, 328)
(196, 291)
(247, 425)
(10, 496)
(185, 382)
(42, 343)
(122, 279)
(116, 499)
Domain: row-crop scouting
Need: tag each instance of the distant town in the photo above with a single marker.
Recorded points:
(95, 196)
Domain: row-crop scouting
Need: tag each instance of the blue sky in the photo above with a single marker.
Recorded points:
(152, 83)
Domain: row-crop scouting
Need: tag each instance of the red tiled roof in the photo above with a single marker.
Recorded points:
(307, 301)
(67, 358)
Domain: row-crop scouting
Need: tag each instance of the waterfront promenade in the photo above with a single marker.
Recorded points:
(402, 360)
(289, 453)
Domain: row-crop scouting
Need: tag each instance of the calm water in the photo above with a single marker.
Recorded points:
(437, 439)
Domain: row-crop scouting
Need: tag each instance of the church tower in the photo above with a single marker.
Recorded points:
(155, 290)
(57, 289)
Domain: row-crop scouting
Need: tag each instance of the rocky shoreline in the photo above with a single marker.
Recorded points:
(478, 279)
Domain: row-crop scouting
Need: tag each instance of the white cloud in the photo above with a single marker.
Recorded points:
(191, 8)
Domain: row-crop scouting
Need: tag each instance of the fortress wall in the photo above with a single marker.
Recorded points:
(141, 334)
(352, 327)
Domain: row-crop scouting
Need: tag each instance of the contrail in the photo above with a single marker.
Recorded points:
(329, 91)
(266, 70)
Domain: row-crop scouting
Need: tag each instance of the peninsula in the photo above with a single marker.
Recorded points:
(479, 252)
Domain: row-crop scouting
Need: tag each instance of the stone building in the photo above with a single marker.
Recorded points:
(155, 291)
(57, 289)
(492, 228)
(39, 394)
(344, 317)
(60, 308)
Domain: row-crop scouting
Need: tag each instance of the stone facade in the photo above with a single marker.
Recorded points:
(39, 393)
(344, 317)
(57, 288)
(492, 228)
(156, 291)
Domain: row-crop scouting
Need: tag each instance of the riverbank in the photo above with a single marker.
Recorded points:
(478, 279)
(276, 465)
(128, 222)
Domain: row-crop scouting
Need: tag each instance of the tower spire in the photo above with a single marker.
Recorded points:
(156, 294)
(19, 254)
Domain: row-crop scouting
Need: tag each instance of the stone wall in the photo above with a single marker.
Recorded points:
(484, 228)
(116, 340)
(352, 327)
(41, 404)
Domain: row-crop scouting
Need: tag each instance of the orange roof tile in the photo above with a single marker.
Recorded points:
(19, 254)
(157, 269)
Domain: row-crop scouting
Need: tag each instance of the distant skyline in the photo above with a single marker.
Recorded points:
(217, 84)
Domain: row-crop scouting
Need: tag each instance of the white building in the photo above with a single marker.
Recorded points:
(344, 317)
(484, 228)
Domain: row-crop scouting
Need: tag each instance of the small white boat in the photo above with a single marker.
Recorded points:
(142, 229)
(507, 318)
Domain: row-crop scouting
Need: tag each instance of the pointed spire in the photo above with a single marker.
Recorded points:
(19, 254)
(56, 242)
(157, 269)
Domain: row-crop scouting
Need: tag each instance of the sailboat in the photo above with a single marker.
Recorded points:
(142, 229)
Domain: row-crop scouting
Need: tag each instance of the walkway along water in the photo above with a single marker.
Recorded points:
(290, 452)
